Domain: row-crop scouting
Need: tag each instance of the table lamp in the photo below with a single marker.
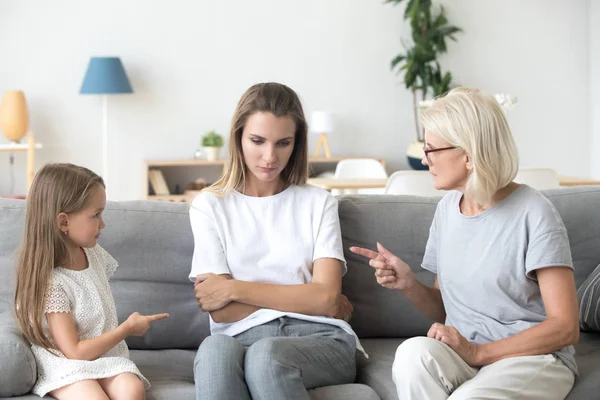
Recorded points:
(322, 123)
(14, 117)
(104, 76)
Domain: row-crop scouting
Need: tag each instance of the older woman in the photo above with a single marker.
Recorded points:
(504, 297)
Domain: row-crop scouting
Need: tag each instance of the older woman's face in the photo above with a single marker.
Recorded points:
(449, 167)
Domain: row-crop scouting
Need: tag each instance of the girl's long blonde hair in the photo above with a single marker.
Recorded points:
(57, 188)
(281, 101)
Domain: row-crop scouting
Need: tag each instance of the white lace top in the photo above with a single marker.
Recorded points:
(86, 295)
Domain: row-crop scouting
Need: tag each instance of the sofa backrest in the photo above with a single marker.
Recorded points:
(153, 243)
(401, 224)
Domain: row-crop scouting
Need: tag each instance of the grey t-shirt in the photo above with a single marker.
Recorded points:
(486, 264)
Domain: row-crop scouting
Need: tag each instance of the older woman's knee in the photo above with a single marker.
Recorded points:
(416, 356)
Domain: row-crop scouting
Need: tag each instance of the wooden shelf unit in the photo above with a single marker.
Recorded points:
(30, 146)
(181, 172)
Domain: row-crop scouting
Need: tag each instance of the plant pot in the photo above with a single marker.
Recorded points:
(212, 153)
(414, 154)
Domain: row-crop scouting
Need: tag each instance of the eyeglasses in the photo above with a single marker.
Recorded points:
(427, 151)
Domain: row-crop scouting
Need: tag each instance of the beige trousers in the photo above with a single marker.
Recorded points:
(426, 369)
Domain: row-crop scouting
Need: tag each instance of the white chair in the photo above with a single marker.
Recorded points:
(416, 183)
(359, 168)
(538, 178)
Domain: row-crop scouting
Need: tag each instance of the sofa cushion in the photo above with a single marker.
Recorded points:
(377, 370)
(578, 208)
(587, 356)
(18, 371)
(401, 224)
(588, 295)
(171, 374)
(153, 243)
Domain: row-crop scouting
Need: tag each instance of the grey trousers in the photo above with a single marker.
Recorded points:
(275, 361)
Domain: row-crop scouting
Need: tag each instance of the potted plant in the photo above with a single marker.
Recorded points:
(212, 143)
(423, 75)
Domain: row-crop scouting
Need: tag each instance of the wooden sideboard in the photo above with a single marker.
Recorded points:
(175, 175)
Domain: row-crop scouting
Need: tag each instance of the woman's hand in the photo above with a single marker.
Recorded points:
(138, 324)
(213, 292)
(391, 272)
(345, 309)
(450, 335)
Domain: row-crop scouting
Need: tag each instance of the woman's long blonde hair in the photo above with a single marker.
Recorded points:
(281, 101)
(57, 188)
(475, 122)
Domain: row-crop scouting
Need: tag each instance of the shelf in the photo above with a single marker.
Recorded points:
(192, 161)
(14, 147)
(175, 176)
(185, 163)
(168, 197)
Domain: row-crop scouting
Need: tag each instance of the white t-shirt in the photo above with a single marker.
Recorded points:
(273, 239)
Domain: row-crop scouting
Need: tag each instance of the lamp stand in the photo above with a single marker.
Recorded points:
(105, 138)
(322, 143)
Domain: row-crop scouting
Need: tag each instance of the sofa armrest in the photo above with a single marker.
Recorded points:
(18, 372)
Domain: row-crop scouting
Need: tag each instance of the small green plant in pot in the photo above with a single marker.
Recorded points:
(212, 143)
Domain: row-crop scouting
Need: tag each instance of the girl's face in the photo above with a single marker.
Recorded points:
(267, 144)
(83, 228)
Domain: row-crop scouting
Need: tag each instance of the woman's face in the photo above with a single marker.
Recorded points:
(449, 168)
(267, 144)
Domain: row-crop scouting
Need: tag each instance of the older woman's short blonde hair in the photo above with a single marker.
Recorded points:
(474, 122)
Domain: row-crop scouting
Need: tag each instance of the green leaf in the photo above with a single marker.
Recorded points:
(412, 8)
(398, 59)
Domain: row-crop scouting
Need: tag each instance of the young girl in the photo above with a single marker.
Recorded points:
(63, 300)
(268, 264)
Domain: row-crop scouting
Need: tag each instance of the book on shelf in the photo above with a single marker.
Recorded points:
(158, 183)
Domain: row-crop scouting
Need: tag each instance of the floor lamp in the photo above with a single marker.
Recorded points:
(104, 76)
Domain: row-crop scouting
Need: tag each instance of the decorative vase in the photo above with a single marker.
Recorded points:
(414, 154)
(212, 153)
(14, 117)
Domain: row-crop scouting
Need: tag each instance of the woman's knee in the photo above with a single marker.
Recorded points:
(217, 352)
(413, 356)
(216, 347)
(263, 352)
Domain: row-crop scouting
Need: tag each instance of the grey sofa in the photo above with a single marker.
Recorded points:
(153, 243)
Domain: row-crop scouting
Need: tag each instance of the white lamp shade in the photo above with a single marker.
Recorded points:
(321, 122)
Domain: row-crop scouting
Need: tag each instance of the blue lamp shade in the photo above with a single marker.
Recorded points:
(105, 75)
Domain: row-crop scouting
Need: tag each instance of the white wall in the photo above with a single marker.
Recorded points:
(594, 46)
(189, 62)
(538, 51)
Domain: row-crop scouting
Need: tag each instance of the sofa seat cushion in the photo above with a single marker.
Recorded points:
(587, 354)
(376, 371)
(171, 374)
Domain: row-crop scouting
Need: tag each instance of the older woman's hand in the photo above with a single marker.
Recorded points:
(457, 342)
(391, 272)
(213, 292)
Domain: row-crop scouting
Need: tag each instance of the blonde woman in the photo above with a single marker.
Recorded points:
(63, 300)
(504, 297)
(268, 264)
